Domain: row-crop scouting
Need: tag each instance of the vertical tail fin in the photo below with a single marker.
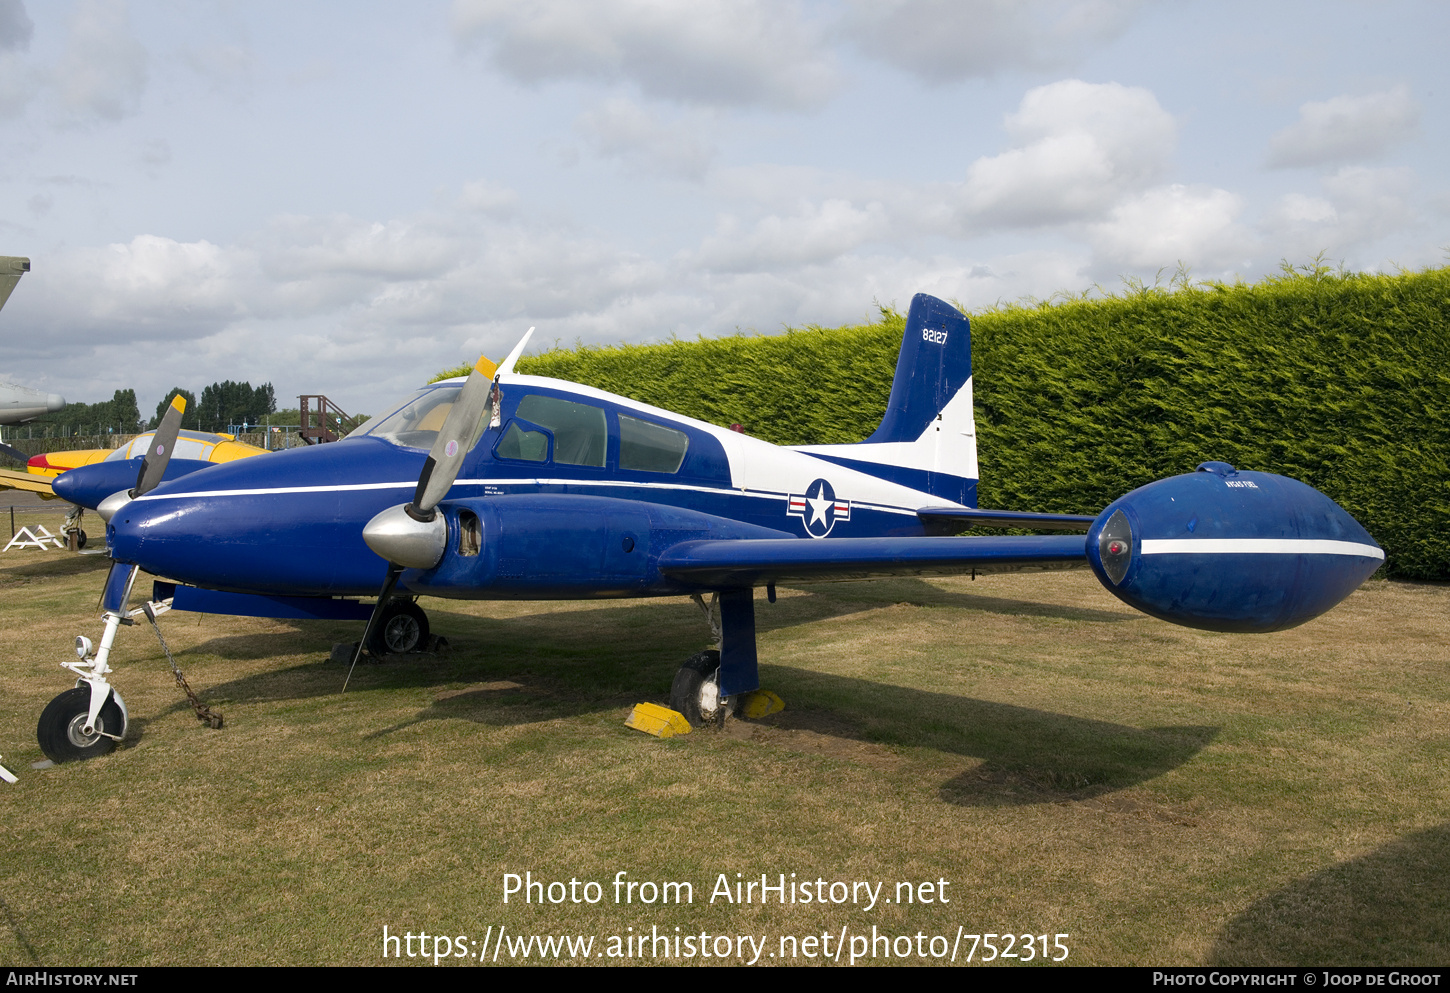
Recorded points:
(12, 267)
(934, 364)
(928, 437)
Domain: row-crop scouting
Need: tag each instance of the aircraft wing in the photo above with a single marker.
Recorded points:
(12, 480)
(761, 561)
(952, 519)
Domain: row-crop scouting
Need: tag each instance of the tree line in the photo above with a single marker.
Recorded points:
(222, 405)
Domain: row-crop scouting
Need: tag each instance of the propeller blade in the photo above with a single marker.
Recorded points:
(154, 467)
(507, 365)
(413, 531)
(461, 429)
(14, 453)
(389, 584)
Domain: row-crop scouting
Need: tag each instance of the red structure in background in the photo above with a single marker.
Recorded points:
(321, 420)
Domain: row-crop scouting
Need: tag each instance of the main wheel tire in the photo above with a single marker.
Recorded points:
(61, 729)
(80, 540)
(403, 628)
(696, 690)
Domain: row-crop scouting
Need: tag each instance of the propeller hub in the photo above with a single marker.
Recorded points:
(399, 537)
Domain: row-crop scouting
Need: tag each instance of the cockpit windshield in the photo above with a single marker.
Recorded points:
(416, 424)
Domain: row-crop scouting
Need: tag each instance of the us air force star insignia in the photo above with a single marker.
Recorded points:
(818, 508)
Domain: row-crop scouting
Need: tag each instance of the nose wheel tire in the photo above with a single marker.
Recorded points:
(696, 690)
(61, 731)
(402, 628)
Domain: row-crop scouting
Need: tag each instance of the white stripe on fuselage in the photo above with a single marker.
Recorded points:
(531, 483)
(1259, 546)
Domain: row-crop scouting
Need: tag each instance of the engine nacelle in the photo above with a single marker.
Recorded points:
(1230, 551)
(544, 546)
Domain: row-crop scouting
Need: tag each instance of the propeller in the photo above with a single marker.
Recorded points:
(153, 467)
(413, 535)
(116, 591)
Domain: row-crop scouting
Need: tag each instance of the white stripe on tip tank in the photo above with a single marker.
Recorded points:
(1259, 546)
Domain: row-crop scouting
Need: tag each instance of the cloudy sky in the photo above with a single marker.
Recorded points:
(344, 198)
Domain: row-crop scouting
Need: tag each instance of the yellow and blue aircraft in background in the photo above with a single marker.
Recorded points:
(194, 450)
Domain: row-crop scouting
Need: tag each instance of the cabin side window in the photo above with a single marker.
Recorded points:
(580, 434)
(650, 447)
(525, 446)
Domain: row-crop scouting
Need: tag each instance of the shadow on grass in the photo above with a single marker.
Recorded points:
(919, 593)
(1390, 907)
(532, 668)
(1029, 755)
(592, 627)
(61, 563)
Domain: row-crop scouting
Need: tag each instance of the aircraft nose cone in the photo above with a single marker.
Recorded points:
(54, 403)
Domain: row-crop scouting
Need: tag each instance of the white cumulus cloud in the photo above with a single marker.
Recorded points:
(816, 233)
(1345, 129)
(1171, 224)
(1359, 206)
(1078, 147)
(942, 40)
(717, 52)
(622, 129)
(104, 69)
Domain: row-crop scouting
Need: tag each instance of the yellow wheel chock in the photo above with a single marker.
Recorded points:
(758, 703)
(662, 722)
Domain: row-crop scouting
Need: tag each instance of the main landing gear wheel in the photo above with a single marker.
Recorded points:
(80, 540)
(61, 731)
(696, 690)
(402, 628)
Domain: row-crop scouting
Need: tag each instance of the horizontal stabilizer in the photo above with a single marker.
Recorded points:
(759, 561)
(950, 520)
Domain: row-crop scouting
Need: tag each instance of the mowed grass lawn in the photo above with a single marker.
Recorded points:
(1065, 765)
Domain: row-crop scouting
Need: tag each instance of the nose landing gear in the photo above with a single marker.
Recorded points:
(65, 731)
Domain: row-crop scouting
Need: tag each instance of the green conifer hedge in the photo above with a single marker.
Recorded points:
(1339, 380)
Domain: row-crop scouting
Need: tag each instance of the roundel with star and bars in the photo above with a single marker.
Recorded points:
(818, 508)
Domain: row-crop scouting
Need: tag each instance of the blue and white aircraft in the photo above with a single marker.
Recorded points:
(506, 486)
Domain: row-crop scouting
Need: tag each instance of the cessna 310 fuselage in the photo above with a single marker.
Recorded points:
(530, 488)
